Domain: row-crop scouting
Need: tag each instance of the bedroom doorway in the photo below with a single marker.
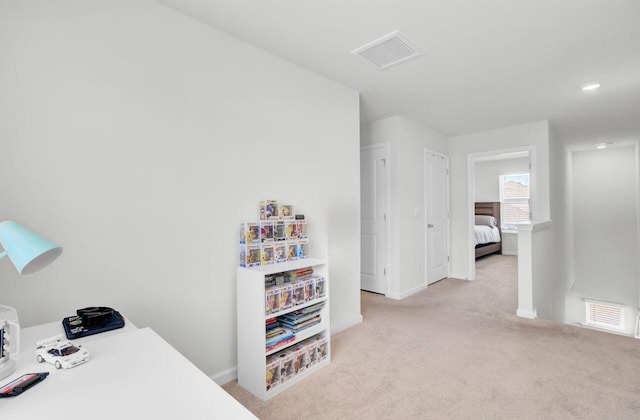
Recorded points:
(501, 192)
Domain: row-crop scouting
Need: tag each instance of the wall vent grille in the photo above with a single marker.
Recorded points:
(388, 51)
(606, 315)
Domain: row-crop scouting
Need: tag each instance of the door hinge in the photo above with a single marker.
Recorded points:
(385, 217)
(448, 258)
(384, 162)
(384, 271)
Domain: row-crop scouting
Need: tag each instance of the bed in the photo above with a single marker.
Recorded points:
(487, 238)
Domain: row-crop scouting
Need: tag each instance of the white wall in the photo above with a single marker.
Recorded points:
(534, 135)
(138, 139)
(487, 176)
(605, 227)
(407, 141)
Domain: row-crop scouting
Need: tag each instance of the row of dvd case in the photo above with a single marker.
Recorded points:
(298, 292)
(284, 365)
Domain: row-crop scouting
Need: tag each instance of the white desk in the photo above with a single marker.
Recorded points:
(133, 374)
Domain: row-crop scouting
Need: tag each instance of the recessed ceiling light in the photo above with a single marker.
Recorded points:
(589, 87)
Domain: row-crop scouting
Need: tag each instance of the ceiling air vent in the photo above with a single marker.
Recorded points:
(388, 51)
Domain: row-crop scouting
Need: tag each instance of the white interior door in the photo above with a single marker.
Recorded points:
(436, 182)
(373, 215)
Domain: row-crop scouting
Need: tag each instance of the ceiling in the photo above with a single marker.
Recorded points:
(487, 64)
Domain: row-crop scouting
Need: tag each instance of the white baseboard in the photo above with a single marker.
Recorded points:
(225, 376)
(522, 313)
(509, 253)
(458, 276)
(407, 293)
(343, 326)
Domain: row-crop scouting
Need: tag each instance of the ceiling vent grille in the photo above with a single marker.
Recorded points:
(388, 51)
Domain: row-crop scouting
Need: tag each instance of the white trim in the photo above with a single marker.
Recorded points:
(527, 314)
(534, 226)
(514, 254)
(345, 325)
(458, 276)
(225, 376)
(412, 291)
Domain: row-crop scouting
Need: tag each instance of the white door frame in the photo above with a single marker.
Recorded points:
(387, 208)
(533, 185)
(448, 224)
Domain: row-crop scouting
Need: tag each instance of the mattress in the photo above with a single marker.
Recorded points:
(485, 234)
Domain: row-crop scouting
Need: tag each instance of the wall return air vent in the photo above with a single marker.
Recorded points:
(605, 315)
(388, 51)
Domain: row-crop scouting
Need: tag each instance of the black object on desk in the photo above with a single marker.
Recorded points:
(18, 386)
(92, 320)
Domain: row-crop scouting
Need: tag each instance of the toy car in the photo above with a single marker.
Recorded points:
(60, 352)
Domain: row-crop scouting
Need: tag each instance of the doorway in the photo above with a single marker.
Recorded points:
(491, 175)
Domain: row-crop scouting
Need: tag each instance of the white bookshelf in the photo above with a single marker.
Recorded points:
(252, 354)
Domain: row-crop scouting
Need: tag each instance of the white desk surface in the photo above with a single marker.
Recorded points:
(132, 374)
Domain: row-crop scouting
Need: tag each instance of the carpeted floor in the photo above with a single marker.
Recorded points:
(457, 351)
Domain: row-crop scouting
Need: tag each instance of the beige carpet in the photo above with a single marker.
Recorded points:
(457, 351)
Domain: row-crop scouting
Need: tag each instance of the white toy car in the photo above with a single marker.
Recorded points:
(62, 353)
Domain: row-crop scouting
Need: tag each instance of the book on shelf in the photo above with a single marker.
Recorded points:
(281, 343)
(303, 272)
(297, 327)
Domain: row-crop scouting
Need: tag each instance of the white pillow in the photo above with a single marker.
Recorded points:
(486, 221)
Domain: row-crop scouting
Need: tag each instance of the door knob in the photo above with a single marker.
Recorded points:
(429, 225)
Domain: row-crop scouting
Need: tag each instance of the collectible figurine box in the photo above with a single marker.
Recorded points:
(272, 300)
(249, 255)
(267, 209)
(267, 254)
(280, 233)
(266, 230)
(280, 252)
(321, 342)
(320, 287)
(250, 233)
(303, 249)
(286, 296)
(310, 288)
(299, 356)
(284, 212)
(301, 227)
(286, 366)
(273, 372)
(291, 229)
(292, 250)
(311, 347)
(298, 293)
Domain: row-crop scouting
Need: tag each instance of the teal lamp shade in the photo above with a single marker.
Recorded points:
(28, 251)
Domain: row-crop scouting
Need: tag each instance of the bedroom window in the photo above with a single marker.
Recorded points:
(514, 199)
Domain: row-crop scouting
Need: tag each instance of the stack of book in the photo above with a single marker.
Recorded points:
(297, 274)
(276, 335)
(301, 319)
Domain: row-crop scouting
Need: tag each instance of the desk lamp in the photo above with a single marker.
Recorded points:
(29, 253)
